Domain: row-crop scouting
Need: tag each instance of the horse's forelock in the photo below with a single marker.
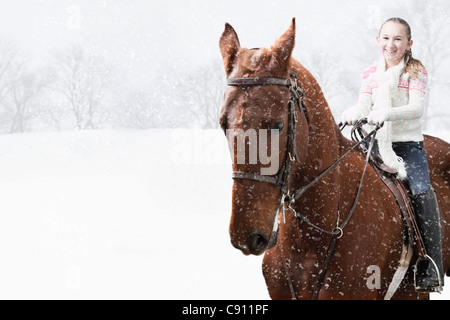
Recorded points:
(258, 63)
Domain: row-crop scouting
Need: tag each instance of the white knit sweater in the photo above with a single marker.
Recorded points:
(408, 103)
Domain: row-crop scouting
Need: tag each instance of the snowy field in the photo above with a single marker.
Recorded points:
(121, 215)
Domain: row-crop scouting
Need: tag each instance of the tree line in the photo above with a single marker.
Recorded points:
(77, 89)
(80, 90)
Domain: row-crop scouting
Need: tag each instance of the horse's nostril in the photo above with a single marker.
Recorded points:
(257, 243)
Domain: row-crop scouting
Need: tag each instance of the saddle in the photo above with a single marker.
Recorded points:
(413, 242)
(401, 194)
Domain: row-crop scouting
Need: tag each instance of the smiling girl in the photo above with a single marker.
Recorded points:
(393, 93)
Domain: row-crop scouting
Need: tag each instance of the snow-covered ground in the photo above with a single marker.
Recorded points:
(121, 215)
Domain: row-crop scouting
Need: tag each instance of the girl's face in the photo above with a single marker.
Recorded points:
(393, 42)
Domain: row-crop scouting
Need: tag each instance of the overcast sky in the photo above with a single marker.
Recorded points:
(149, 33)
(147, 37)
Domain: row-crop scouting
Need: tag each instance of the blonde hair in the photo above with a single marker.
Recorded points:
(412, 65)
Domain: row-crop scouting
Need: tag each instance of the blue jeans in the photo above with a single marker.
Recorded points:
(416, 164)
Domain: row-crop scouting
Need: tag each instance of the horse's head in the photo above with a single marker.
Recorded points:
(258, 121)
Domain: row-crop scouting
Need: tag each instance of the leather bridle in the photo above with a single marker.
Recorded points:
(282, 178)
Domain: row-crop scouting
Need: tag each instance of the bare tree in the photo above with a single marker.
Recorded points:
(140, 110)
(83, 82)
(22, 99)
(8, 54)
(429, 21)
(328, 70)
(201, 93)
(19, 88)
(8, 57)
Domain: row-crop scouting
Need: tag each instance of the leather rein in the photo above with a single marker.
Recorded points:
(282, 178)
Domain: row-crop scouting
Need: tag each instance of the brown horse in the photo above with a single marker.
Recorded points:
(370, 248)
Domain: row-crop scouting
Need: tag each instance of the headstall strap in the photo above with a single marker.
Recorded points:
(296, 91)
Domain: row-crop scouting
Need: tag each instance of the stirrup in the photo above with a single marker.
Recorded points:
(439, 288)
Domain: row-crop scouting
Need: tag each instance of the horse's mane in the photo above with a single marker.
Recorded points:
(315, 101)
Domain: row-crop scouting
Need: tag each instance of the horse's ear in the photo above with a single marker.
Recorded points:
(229, 47)
(283, 47)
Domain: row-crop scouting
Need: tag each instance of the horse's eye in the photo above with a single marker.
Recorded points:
(223, 121)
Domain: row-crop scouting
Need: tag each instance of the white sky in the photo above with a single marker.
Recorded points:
(151, 31)
(149, 36)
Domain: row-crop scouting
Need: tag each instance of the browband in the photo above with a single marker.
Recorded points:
(258, 81)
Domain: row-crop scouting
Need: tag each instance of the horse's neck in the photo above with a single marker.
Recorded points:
(323, 134)
(323, 146)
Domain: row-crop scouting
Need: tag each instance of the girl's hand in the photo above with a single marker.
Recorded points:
(379, 116)
(351, 116)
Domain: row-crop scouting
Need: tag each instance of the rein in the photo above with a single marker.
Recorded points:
(282, 178)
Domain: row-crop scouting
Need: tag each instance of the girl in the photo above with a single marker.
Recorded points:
(393, 92)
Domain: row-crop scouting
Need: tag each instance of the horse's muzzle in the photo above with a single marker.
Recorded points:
(258, 243)
(255, 244)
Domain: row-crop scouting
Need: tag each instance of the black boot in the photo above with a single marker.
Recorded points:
(429, 272)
